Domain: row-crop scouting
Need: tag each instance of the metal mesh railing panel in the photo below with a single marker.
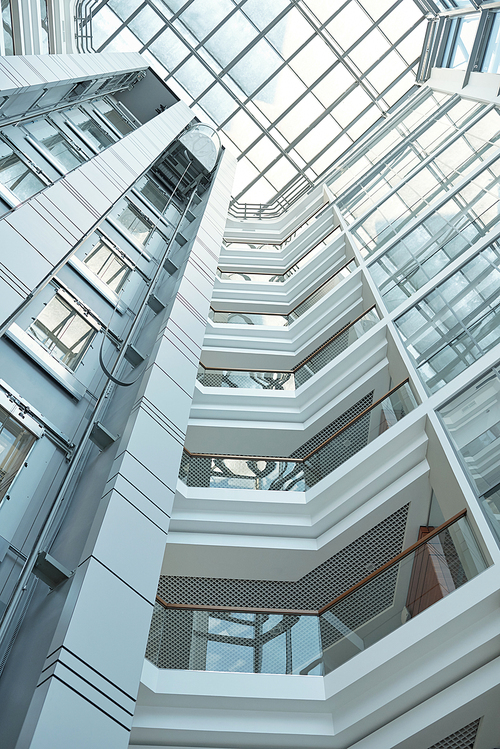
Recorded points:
(301, 473)
(464, 738)
(305, 643)
(351, 413)
(324, 357)
(304, 370)
(315, 589)
(320, 293)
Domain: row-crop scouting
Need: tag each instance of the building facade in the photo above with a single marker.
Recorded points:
(249, 489)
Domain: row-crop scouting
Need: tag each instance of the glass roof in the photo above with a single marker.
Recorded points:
(290, 84)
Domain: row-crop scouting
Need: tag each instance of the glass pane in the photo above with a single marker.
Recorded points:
(459, 55)
(63, 332)
(222, 59)
(16, 176)
(114, 117)
(95, 134)
(15, 444)
(134, 222)
(7, 28)
(106, 264)
(49, 137)
(491, 60)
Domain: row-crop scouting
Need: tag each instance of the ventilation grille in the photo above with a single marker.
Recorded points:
(462, 739)
(316, 589)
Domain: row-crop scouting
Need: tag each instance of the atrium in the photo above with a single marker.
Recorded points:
(249, 400)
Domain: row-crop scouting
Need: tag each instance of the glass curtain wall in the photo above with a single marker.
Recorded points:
(290, 85)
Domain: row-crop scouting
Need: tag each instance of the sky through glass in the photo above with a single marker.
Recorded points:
(290, 84)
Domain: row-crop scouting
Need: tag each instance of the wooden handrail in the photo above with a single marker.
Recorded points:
(284, 314)
(304, 361)
(317, 612)
(395, 560)
(236, 609)
(309, 455)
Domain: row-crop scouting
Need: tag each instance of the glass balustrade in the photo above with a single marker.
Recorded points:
(292, 380)
(280, 321)
(298, 474)
(258, 277)
(318, 642)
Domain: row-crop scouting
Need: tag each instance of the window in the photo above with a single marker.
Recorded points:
(8, 38)
(491, 60)
(460, 42)
(135, 223)
(441, 237)
(158, 198)
(114, 117)
(52, 140)
(457, 323)
(15, 444)
(16, 176)
(108, 266)
(63, 331)
(97, 137)
(152, 192)
(472, 420)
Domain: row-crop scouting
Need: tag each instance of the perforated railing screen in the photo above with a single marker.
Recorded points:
(464, 738)
(315, 589)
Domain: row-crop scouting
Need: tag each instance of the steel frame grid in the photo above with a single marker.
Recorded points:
(302, 182)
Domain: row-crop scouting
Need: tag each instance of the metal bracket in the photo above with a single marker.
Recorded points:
(49, 571)
(101, 436)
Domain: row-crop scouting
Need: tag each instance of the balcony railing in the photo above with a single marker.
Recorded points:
(262, 277)
(254, 244)
(298, 474)
(277, 320)
(291, 379)
(310, 642)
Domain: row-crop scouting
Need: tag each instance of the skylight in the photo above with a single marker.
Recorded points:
(290, 84)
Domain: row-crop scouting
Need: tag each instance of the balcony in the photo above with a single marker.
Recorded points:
(305, 471)
(292, 379)
(316, 642)
(284, 320)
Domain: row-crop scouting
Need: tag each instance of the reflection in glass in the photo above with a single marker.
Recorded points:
(472, 421)
(457, 323)
(108, 266)
(51, 139)
(318, 643)
(16, 176)
(15, 444)
(8, 37)
(64, 332)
